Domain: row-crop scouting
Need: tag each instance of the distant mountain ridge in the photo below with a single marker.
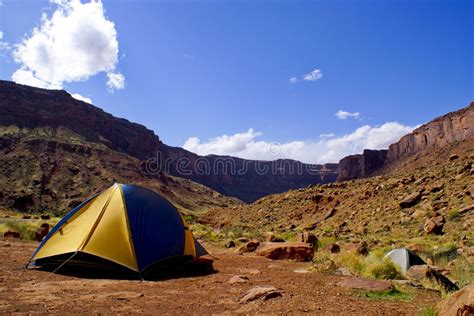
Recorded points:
(29, 107)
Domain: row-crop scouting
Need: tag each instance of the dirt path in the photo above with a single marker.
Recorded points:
(42, 292)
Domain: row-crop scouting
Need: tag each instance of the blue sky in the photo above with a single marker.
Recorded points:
(215, 76)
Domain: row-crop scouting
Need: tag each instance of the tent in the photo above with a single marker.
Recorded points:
(404, 258)
(125, 226)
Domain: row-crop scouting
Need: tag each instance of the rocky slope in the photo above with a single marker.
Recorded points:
(441, 132)
(31, 108)
(435, 184)
(54, 169)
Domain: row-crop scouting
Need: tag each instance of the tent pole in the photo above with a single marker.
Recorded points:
(62, 264)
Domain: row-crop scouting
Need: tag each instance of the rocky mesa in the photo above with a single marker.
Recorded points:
(441, 132)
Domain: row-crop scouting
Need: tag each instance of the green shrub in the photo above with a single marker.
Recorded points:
(234, 232)
(392, 295)
(383, 269)
(289, 235)
(24, 228)
(462, 272)
(323, 242)
(372, 266)
(427, 311)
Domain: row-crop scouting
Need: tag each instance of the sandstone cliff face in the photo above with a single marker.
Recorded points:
(361, 166)
(450, 128)
(33, 108)
(29, 107)
(441, 132)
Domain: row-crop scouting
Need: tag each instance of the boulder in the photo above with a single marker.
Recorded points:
(359, 247)
(243, 239)
(45, 216)
(333, 248)
(10, 234)
(330, 213)
(238, 279)
(26, 217)
(286, 250)
(308, 238)
(466, 209)
(459, 303)
(271, 237)
(453, 157)
(251, 246)
(430, 277)
(434, 225)
(410, 200)
(260, 292)
(42, 231)
(365, 284)
(230, 244)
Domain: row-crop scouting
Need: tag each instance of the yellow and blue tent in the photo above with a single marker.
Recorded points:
(125, 225)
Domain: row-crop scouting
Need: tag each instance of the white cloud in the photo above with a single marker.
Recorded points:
(342, 115)
(74, 43)
(115, 81)
(4, 46)
(313, 75)
(327, 135)
(79, 97)
(328, 148)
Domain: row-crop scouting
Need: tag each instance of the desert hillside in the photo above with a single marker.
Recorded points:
(53, 170)
(390, 208)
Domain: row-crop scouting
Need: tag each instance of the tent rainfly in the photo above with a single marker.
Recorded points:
(125, 225)
(404, 258)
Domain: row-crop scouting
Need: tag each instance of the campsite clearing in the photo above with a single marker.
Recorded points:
(42, 292)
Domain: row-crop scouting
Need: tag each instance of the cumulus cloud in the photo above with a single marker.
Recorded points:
(328, 148)
(115, 81)
(342, 115)
(313, 75)
(79, 97)
(76, 42)
(4, 46)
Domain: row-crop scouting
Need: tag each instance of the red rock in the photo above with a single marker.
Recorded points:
(45, 216)
(359, 247)
(251, 246)
(459, 303)
(333, 248)
(42, 231)
(410, 200)
(10, 234)
(453, 157)
(330, 213)
(238, 279)
(434, 276)
(365, 284)
(263, 292)
(286, 250)
(230, 244)
(308, 238)
(466, 209)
